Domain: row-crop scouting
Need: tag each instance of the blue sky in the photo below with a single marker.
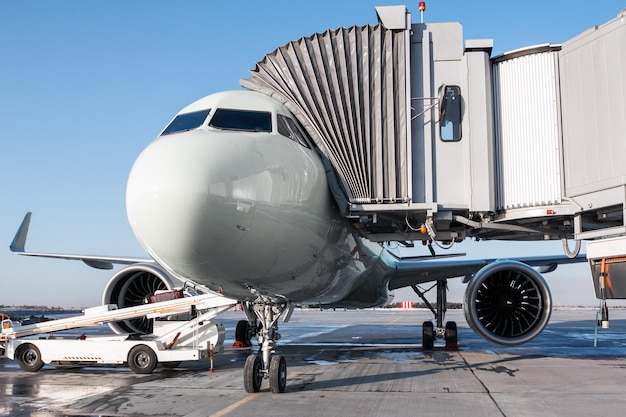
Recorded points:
(85, 86)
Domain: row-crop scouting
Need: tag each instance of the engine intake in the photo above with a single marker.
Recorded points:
(129, 287)
(507, 303)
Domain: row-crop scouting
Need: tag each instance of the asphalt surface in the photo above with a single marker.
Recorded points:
(356, 363)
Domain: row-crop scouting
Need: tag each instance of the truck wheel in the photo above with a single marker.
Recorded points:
(29, 358)
(142, 359)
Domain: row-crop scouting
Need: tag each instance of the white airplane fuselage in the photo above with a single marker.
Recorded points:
(247, 213)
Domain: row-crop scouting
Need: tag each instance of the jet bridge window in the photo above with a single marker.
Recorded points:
(291, 129)
(243, 120)
(187, 121)
(450, 114)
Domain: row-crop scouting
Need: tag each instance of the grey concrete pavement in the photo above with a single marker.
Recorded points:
(356, 363)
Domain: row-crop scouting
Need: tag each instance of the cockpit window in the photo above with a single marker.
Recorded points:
(291, 129)
(187, 121)
(246, 120)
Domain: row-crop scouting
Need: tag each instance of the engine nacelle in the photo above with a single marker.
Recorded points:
(129, 287)
(507, 303)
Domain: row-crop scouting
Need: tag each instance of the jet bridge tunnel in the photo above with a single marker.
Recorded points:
(431, 138)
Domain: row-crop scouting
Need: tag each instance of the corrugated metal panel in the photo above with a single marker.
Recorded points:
(348, 87)
(526, 98)
(593, 83)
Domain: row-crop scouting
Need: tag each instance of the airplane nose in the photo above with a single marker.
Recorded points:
(185, 200)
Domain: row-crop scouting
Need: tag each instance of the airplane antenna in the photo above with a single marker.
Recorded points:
(422, 7)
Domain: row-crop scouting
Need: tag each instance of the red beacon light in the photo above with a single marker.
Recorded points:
(422, 6)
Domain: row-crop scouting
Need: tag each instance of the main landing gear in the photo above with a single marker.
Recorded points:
(429, 333)
(268, 365)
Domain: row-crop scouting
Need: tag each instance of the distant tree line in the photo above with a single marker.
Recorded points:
(449, 306)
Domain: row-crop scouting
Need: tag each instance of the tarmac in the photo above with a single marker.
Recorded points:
(356, 363)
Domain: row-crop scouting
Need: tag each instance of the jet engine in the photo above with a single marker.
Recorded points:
(507, 303)
(129, 287)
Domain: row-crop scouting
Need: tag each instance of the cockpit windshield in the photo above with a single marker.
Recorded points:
(186, 121)
(246, 120)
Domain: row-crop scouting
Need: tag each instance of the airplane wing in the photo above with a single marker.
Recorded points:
(100, 262)
(413, 272)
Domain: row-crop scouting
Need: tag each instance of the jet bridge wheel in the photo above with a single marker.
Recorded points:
(142, 359)
(29, 358)
(428, 336)
(252, 374)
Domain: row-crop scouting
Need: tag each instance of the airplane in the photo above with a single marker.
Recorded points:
(233, 195)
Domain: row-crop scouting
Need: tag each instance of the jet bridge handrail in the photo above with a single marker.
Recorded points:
(96, 318)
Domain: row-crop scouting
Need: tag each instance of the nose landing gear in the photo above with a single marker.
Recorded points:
(268, 365)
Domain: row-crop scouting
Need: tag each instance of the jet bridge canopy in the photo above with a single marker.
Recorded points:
(350, 90)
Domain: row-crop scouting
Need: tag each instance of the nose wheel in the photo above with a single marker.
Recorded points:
(252, 374)
(278, 374)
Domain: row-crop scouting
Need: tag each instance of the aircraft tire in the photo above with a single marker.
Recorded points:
(278, 374)
(29, 358)
(428, 336)
(451, 336)
(252, 376)
(142, 359)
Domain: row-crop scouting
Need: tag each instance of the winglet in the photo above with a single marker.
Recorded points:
(19, 241)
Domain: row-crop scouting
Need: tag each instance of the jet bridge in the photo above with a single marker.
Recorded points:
(429, 137)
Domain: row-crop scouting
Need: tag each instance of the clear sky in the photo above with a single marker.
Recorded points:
(85, 86)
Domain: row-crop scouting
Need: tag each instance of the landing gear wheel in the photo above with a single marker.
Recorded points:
(142, 359)
(451, 336)
(252, 376)
(29, 358)
(242, 333)
(278, 374)
(428, 336)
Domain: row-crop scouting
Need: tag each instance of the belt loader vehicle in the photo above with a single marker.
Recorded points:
(170, 342)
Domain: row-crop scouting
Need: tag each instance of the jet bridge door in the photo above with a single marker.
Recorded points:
(452, 119)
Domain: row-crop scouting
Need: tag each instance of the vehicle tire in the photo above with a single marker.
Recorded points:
(278, 374)
(29, 358)
(242, 333)
(142, 359)
(171, 365)
(428, 336)
(252, 376)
